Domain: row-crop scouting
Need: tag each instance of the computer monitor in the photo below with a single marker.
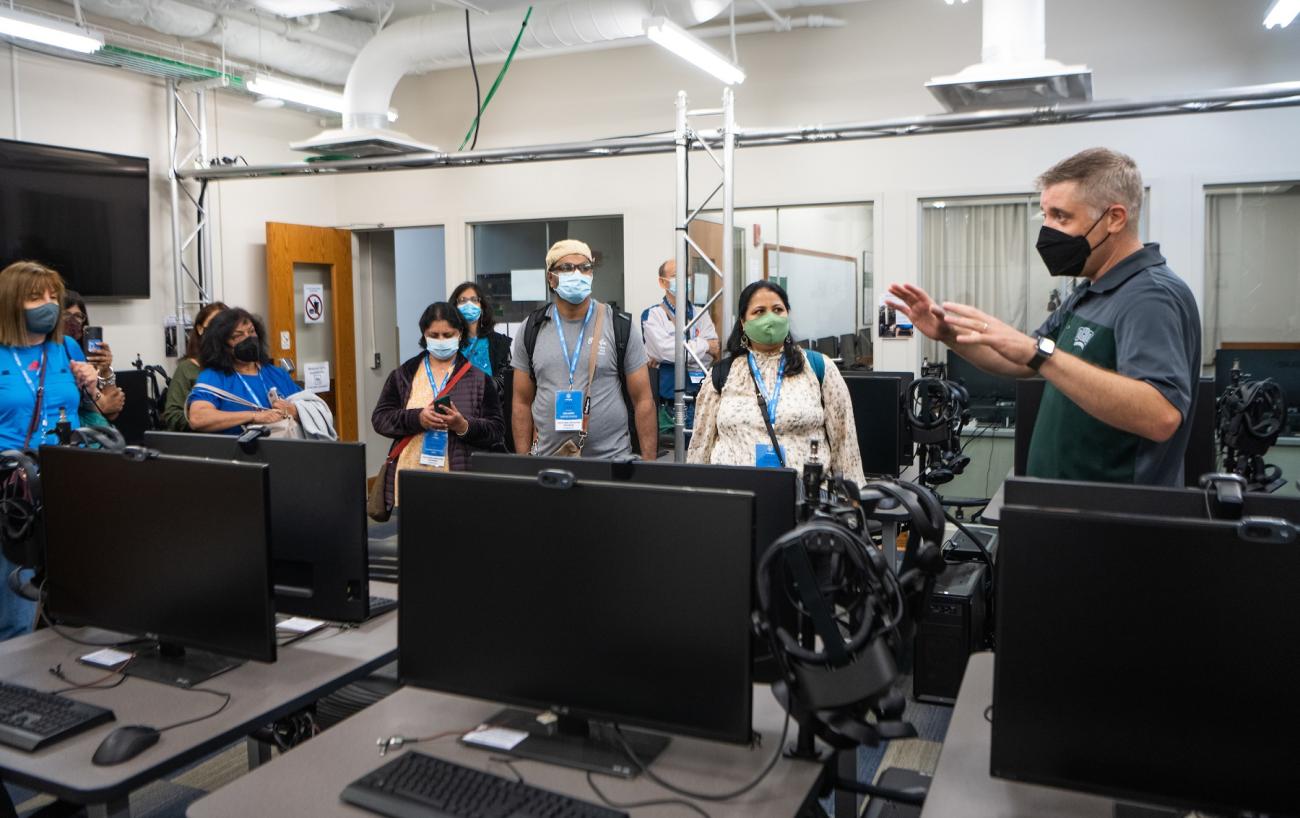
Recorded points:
(135, 417)
(1200, 457)
(877, 399)
(581, 600)
(319, 541)
(583, 468)
(828, 346)
(1281, 365)
(1151, 501)
(1131, 652)
(849, 349)
(992, 397)
(174, 548)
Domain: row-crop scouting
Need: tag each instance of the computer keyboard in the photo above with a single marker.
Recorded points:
(381, 605)
(31, 719)
(416, 785)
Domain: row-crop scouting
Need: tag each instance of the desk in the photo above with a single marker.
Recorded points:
(962, 784)
(260, 693)
(308, 779)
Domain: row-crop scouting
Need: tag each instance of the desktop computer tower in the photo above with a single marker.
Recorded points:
(952, 629)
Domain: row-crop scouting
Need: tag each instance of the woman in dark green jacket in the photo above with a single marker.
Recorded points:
(187, 371)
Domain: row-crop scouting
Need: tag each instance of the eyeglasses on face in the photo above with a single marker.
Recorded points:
(468, 299)
(566, 267)
(68, 315)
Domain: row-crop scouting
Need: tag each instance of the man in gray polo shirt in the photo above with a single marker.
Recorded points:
(1121, 356)
(555, 407)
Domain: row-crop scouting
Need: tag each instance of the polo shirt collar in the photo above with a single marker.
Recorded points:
(1148, 256)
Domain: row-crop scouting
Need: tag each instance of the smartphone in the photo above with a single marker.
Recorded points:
(442, 402)
(92, 339)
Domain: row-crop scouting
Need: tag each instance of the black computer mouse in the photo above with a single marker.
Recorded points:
(124, 744)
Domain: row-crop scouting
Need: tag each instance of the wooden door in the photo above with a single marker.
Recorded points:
(303, 262)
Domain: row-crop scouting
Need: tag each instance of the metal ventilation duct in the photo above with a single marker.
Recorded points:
(1014, 72)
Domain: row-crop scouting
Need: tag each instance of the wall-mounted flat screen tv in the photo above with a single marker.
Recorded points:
(83, 213)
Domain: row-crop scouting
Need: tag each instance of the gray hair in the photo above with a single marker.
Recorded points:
(1105, 177)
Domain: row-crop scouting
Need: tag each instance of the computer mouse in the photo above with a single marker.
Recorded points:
(124, 744)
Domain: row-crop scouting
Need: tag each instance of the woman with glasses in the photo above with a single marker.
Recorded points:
(104, 403)
(238, 384)
(487, 349)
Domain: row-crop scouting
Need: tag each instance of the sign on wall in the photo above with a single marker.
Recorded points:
(313, 303)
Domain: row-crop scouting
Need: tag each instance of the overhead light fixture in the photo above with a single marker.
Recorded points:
(308, 95)
(951, 2)
(1281, 13)
(690, 48)
(24, 26)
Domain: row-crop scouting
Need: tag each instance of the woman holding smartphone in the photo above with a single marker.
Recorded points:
(438, 407)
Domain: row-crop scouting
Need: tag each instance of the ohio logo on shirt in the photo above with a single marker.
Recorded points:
(1082, 337)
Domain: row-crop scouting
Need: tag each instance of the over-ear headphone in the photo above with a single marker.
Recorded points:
(22, 535)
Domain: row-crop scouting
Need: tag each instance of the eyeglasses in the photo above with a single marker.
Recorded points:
(566, 267)
(468, 299)
(239, 335)
(74, 316)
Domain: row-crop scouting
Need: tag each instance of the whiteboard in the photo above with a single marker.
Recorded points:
(822, 289)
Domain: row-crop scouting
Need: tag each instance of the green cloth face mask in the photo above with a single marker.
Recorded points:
(768, 328)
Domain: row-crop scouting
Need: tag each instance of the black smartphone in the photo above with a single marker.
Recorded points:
(442, 402)
(92, 338)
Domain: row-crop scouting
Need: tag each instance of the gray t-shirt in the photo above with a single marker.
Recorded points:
(607, 432)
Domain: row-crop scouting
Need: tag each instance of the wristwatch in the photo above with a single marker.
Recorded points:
(1043, 349)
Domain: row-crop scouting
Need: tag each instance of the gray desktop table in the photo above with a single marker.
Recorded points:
(260, 693)
(962, 784)
(307, 780)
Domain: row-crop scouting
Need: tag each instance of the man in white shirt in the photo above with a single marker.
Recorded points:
(658, 329)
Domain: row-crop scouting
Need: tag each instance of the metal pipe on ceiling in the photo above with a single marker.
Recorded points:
(1254, 97)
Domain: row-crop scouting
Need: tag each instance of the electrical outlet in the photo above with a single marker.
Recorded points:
(377, 362)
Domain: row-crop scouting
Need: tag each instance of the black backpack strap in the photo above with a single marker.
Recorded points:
(720, 371)
(623, 331)
(532, 326)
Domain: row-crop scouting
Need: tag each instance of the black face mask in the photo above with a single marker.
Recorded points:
(1065, 254)
(248, 351)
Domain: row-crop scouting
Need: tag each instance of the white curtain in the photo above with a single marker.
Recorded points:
(1252, 267)
(977, 254)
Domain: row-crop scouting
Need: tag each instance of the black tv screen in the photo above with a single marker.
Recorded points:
(82, 213)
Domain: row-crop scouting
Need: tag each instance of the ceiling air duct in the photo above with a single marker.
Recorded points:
(1014, 72)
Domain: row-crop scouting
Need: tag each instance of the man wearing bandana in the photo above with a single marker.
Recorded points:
(1121, 355)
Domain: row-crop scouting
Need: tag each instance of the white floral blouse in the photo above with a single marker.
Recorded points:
(729, 427)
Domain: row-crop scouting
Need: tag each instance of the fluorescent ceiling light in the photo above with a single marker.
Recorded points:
(1281, 13)
(308, 95)
(690, 48)
(25, 26)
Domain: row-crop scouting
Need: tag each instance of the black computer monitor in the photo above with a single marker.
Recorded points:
(134, 419)
(582, 600)
(992, 397)
(1130, 650)
(873, 408)
(583, 468)
(319, 562)
(1151, 501)
(849, 348)
(828, 346)
(1281, 365)
(175, 548)
(1199, 458)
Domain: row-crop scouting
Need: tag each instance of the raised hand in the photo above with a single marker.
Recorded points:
(927, 316)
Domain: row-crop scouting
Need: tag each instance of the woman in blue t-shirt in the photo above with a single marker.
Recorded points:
(35, 361)
(235, 362)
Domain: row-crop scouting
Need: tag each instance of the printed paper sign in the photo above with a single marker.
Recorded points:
(313, 303)
(316, 376)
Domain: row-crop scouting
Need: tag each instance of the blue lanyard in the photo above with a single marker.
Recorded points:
(689, 315)
(249, 389)
(564, 345)
(775, 397)
(428, 370)
(21, 368)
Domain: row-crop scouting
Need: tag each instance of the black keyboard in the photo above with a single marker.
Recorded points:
(416, 785)
(31, 719)
(381, 605)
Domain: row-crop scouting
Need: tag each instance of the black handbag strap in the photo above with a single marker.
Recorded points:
(767, 421)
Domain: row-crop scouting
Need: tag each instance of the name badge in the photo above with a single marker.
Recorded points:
(568, 410)
(696, 376)
(433, 451)
(765, 456)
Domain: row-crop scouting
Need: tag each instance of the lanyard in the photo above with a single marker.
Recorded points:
(249, 389)
(672, 313)
(775, 397)
(564, 345)
(428, 370)
(18, 363)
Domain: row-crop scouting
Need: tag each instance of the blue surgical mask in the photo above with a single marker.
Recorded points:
(444, 349)
(672, 286)
(470, 311)
(573, 287)
(43, 319)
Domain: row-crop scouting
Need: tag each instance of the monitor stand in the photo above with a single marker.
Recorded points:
(576, 742)
(171, 664)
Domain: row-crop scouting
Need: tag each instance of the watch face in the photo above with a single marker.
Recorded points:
(1046, 345)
